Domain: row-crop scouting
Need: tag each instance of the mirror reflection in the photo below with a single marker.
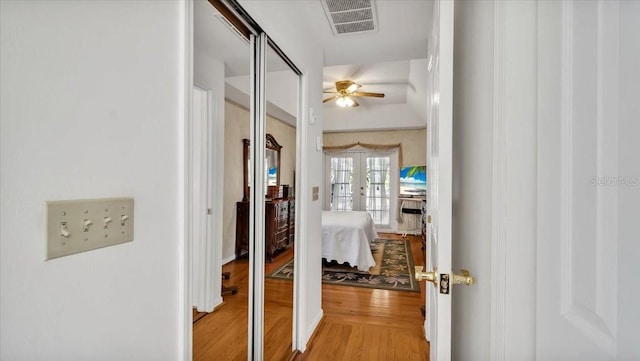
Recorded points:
(271, 162)
(220, 286)
(221, 69)
(282, 107)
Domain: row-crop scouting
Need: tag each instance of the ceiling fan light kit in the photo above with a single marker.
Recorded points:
(345, 102)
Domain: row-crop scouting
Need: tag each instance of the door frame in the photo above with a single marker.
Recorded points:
(513, 192)
(394, 166)
(206, 139)
(185, 313)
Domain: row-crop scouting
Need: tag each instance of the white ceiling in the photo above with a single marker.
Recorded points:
(391, 60)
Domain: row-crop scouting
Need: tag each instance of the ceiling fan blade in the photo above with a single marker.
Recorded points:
(368, 94)
(330, 99)
(328, 92)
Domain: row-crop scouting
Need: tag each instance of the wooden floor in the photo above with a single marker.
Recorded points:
(222, 334)
(358, 323)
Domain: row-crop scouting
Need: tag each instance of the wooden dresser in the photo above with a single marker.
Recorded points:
(279, 226)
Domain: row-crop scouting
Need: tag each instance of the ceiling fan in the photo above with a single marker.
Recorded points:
(346, 90)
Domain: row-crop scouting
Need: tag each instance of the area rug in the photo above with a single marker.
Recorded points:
(393, 270)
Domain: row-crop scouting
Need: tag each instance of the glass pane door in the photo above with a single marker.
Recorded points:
(362, 181)
(377, 185)
(341, 177)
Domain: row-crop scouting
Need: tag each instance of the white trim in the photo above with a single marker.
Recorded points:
(299, 246)
(215, 198)
(300, 334)
(185, 70)
(228, 259)
(197, 144)
(215, 120)
(499, 208)
(313, 325)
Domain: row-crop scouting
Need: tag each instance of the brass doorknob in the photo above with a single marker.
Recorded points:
(425, 276)
(463, 279)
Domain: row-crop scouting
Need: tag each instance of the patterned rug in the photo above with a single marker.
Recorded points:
(393, 270)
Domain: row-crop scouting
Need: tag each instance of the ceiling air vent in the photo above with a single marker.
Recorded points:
(350, 16)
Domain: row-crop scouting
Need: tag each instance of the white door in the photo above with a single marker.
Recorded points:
(363, 181)
(582, 183)
(206, 247)
(439, 168)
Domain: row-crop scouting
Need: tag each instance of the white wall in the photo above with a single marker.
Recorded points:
(377, 117)
(472, 176)
(90, 108)
(283, 28)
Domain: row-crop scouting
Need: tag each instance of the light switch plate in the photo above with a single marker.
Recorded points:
(312, 116)
(315, 193)
(75, 226)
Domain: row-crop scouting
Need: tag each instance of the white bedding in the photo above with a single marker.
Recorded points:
(346, 237)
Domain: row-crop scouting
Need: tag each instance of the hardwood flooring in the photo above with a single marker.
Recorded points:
(222, 334)
(358, 323)
(366, 324)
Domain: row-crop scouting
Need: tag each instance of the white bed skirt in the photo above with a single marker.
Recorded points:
(346, 237)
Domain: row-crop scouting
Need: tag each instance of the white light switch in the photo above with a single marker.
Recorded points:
(81, 225)
(312, 116)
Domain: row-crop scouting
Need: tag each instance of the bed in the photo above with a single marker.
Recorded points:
(346, 237)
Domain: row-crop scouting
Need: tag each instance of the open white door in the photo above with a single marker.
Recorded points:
(439, 178)
(587, 72)
(206, 268)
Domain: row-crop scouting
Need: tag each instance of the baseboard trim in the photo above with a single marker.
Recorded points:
(228, 259)
(311, 331)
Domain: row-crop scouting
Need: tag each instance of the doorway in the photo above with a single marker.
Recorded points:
(363, 181)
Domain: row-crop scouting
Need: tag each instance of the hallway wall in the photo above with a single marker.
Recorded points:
(91, 108)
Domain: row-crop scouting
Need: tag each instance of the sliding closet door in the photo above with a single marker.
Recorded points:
(257, 198)
(252, 81)
(221, 67)
(281, 122)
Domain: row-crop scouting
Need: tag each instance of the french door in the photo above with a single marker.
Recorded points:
(363, 181)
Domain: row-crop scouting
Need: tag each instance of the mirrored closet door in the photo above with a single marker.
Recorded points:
(251, 89)
(222, 63)
(281, 90)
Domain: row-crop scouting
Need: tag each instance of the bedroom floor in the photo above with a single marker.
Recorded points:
(358, 323)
